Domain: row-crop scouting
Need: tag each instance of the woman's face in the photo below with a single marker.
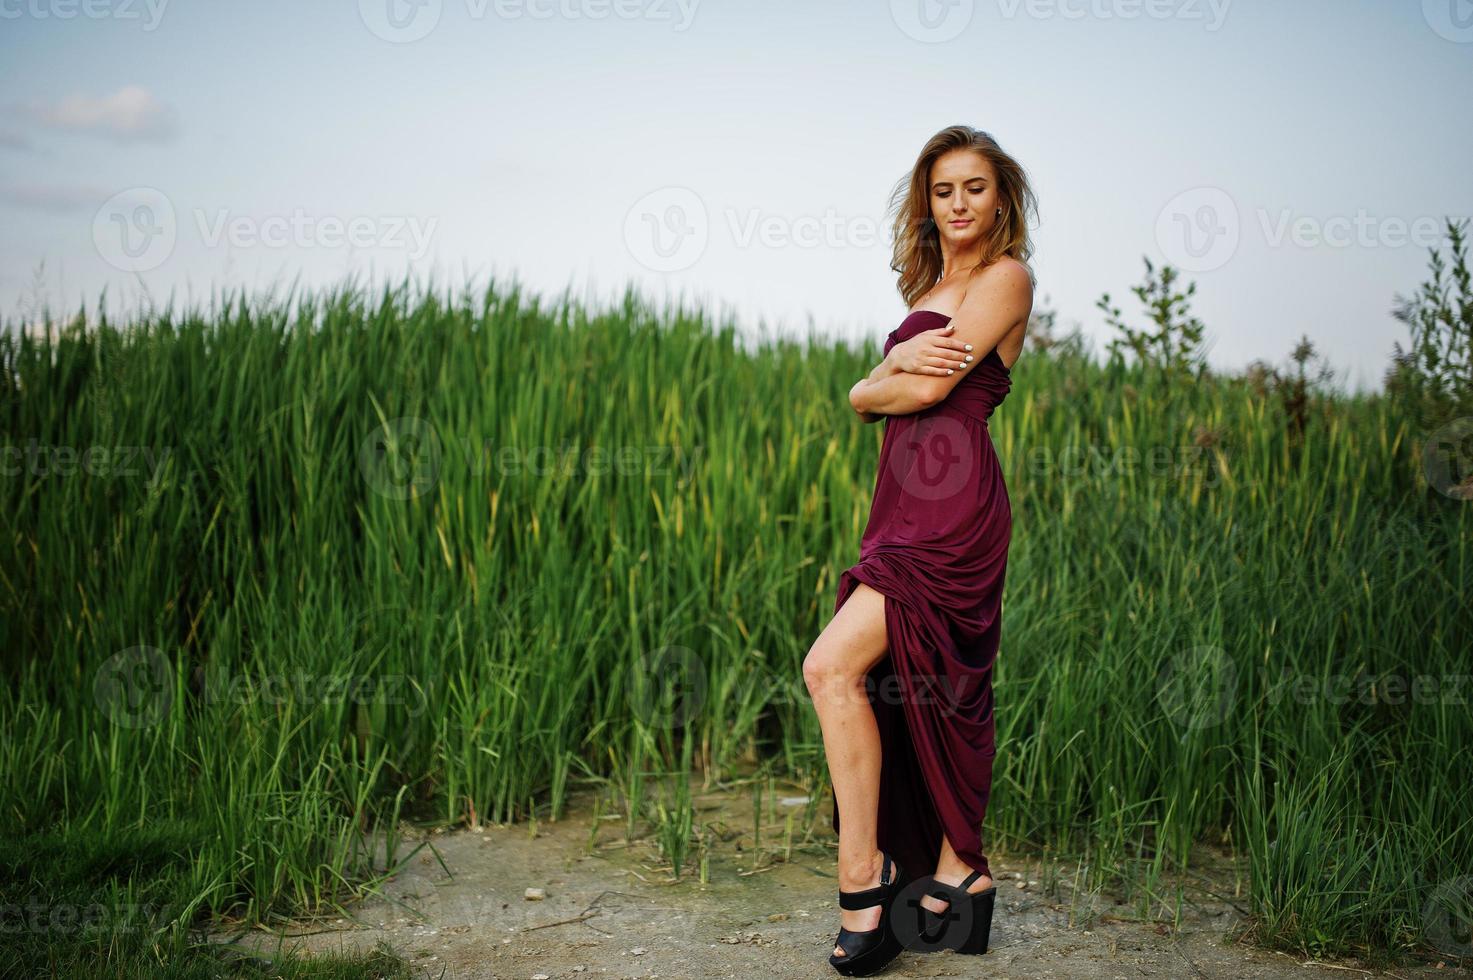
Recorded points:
(964, 197)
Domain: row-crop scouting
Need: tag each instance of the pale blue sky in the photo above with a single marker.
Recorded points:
(472, 137)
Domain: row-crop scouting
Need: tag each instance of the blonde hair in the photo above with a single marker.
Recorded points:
(917, 250)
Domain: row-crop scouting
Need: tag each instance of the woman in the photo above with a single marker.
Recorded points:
(909, 736)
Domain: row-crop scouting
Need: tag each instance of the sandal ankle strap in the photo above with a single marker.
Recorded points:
(861, 900)
(853, 901)
(966, 883)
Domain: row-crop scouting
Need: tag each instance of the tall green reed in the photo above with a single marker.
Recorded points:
(444, 557)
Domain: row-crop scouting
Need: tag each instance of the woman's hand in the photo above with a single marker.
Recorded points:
(931, 352)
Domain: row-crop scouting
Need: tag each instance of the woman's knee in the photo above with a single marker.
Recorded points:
(831, 664)
(818, 667)
(825, 665)
(852, 643)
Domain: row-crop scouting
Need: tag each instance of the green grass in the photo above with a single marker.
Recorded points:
(330, 602)
(110, 905)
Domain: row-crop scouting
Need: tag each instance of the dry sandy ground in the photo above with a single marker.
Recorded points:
(612, 911)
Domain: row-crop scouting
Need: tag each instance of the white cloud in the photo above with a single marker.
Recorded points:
(131, 114)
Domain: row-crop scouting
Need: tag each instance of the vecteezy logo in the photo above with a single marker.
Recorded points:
(935, 459)
(401, 458)
(909, 918)
(1197, 687)
(667, 688)
(931, 21)
(400, 21)
(1447, 459)
(135, 229)
(1447, 917)
(667, 230)
(134, 688)
(1451, 19)
(1199, 230)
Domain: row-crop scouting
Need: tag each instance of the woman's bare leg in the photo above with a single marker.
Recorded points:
(834, 670)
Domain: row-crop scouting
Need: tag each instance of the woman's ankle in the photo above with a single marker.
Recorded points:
(956, 874)
(854, 876)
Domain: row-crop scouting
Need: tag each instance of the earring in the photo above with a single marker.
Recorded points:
(999, 212)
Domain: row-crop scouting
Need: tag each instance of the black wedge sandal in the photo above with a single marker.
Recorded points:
(979, 933)
(869, 951)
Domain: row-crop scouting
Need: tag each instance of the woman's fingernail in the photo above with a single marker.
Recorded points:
(969, 347)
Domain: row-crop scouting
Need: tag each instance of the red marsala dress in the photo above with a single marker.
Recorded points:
(936, 546)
